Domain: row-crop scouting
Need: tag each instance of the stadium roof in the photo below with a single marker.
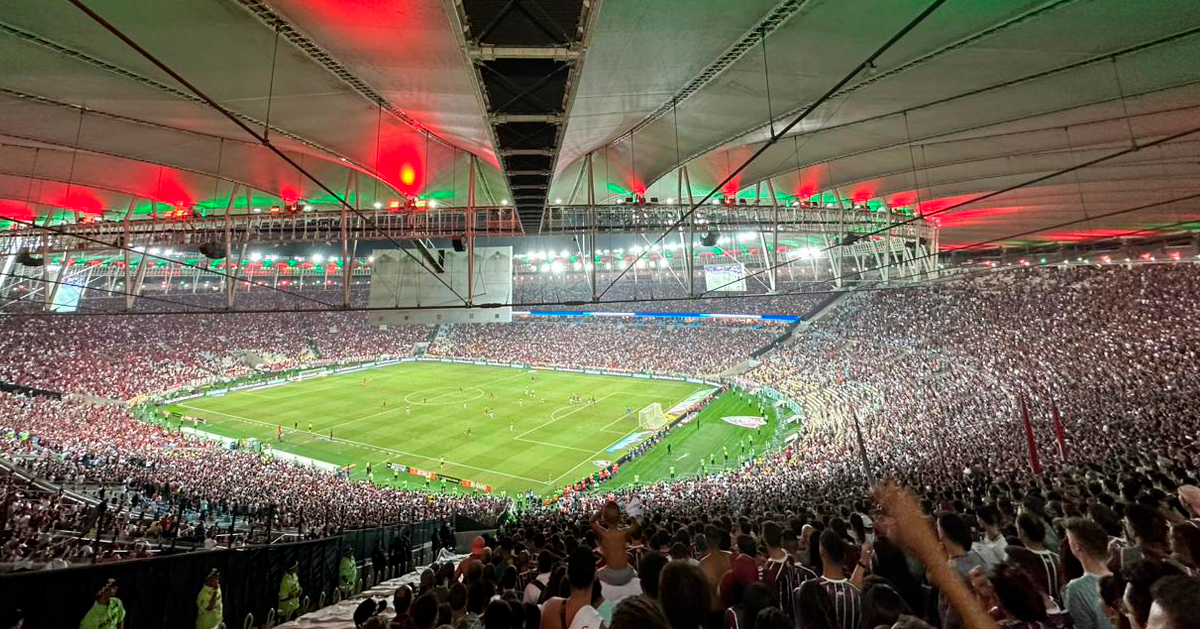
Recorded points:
(978, 97)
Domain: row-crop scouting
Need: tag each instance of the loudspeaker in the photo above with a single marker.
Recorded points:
(213, 250)
(459, 245)
(24, 259)
(709, 238)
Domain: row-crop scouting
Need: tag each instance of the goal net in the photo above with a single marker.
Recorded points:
(652, 417)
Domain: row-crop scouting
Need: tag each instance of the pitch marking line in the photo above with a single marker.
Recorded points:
(590, 457)
(376, 448)
(554, 419)
(475, 387)
(619, 419)
(594, 454)
(553, 445)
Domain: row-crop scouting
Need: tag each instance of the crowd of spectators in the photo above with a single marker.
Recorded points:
(651, 347)
(158, 481)
(936, 378)
(923, 385)
(119, 357)
(670, 296)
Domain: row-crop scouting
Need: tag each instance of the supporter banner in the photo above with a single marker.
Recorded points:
(628, 440)
(683, 405)
(416, 471)
(472, 484)
(303, 460)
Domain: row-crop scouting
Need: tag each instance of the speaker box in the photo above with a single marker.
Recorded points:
(709, 238)
(213, 250)
(459, 245)
(24, 259)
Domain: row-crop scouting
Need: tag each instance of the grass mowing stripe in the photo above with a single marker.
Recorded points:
(548, 441)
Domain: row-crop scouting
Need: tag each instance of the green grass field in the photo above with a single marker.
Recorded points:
(527, 444)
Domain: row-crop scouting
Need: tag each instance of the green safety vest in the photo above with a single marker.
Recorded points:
(289, 593)
(347, 572)
(209, 618)
(104, 616)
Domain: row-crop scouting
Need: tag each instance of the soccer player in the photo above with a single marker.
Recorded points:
(309, 426)
(510, 424)
(407, 410)
(279, 432)
(443, 461)
(668, 448)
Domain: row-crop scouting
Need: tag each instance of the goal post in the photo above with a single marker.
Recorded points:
(652, 417)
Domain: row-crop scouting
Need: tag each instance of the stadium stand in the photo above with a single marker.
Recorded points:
(1109, 348)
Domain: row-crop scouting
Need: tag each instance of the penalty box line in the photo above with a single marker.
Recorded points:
(600, 451)
(376, 448)
(554, 419)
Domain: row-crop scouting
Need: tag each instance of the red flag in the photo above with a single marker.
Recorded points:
(1033, 455)
(1059, 433)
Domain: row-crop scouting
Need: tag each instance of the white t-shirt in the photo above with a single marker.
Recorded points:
(586, 618)
(532, 592)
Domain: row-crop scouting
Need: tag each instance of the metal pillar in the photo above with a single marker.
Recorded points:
(347, 257)
(691, 239)
(470, 236)
(231, 277)
(837, 253)
(591, 201)
(132, 292)
(773, 261)
(51, 290)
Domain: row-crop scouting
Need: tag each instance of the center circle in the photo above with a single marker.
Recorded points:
(442, 396)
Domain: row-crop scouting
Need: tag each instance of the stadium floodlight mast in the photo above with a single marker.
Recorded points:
(775, 137)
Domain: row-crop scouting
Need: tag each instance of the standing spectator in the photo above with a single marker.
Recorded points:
(210, 611)
(683, 591)
(991, 546)
(1089, 543)
(639, 612)
(289, 592)
(1032, 532)
(535, 591)
(347, 572)
(814, 607)
(402, 601)
(780, 572)
(378, 561)
(844, 595)
(1185, 547)
(956, 538)
(107, 612)
(576, 611)
(1176, 604)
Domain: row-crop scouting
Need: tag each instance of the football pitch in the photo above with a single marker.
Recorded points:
(514, 429)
